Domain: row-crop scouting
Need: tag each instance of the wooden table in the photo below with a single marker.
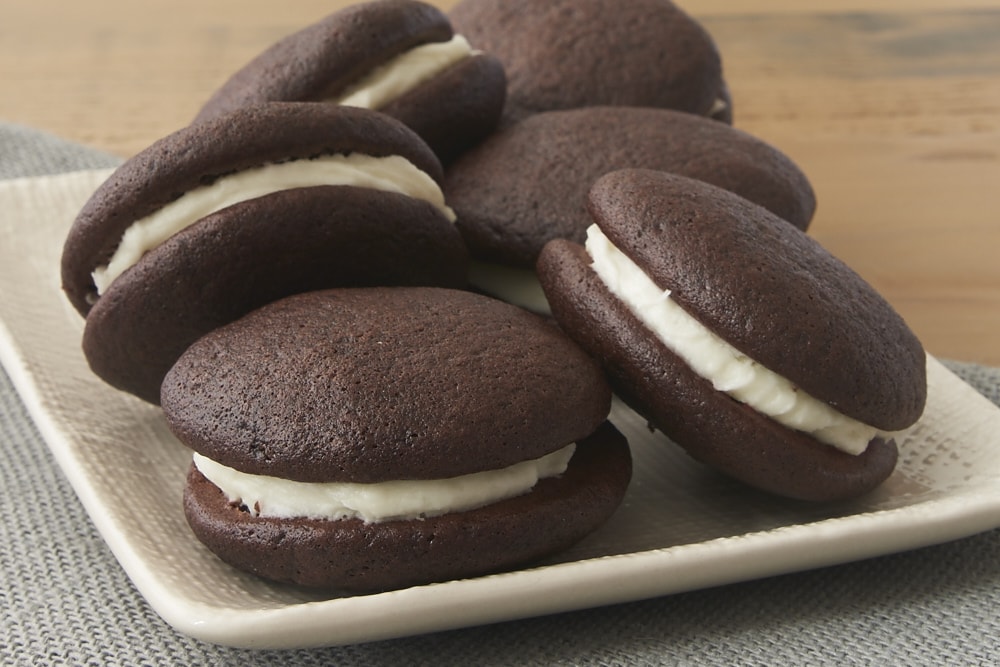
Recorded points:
(892, 107)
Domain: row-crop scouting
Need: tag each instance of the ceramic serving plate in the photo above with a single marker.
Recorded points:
(681, 526)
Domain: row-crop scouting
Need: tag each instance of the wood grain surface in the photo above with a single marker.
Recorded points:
(892, 107)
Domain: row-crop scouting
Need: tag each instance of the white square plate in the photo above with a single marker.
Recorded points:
(681, 527)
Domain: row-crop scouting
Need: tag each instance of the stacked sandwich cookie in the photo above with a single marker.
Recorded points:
(399, 57)
(226, 215)
(527, 184)
(375, 438)
(569, 54)
(738, 336)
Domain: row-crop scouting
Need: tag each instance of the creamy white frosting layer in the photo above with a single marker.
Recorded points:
(391, 174)
(718, 106)
(404, 73)
(728, 369)
(383, 501)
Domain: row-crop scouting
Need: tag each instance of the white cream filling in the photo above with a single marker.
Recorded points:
(403, 73)
(718, 106)
(728, 369)
(391, 174)
(383, 501)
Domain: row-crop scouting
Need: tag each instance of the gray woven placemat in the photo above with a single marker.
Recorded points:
(65, 600)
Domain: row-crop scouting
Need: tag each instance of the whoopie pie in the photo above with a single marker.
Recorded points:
(738, 336)
(568, 54)
(399, 57)
(528, 183)
(373, 438)
(226, 215)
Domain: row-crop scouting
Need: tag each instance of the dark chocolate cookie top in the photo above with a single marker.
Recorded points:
(199, 154)
(769, 290)
(565, 54)
(368, 385)
(528, 183)
(324, 58)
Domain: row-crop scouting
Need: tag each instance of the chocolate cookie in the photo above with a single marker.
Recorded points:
(739, 337)
(399, 57)
(396, 394)
(528, 184)
(567, 54)
(224, 216)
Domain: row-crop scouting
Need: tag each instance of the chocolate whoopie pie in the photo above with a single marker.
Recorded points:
(224, 216)
(566, 54)
(376, 438)
(528, 183)
(399, 57)
(740, 338)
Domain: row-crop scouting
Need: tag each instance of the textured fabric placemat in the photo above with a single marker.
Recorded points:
(65, 600)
